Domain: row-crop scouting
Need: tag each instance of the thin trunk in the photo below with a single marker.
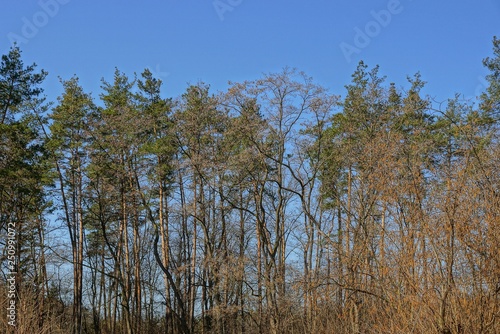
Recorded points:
(79, 259)
(137, 274)
(104, 302)
(259, 280)
(383, 267)
(192, 280)
(348, 220)
(43, 278)
(125, 277)
(184, 258)
(241, 266)
(340, 254)
(164, 231)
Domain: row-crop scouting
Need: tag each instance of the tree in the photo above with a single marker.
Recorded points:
(490, 99)
(23, 174)
(69, 140)
(116, 133)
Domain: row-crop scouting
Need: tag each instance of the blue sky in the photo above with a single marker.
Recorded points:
(216, 41)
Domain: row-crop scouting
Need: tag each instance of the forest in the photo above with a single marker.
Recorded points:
(272, 207)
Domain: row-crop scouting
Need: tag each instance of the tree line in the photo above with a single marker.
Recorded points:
(272, 207)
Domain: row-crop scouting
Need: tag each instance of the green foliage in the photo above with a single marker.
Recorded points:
(22, 166)
(158, 141)
(490, 100)
(18, 84)
(383, 196)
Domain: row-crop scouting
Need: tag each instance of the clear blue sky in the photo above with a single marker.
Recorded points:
(186, 41)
